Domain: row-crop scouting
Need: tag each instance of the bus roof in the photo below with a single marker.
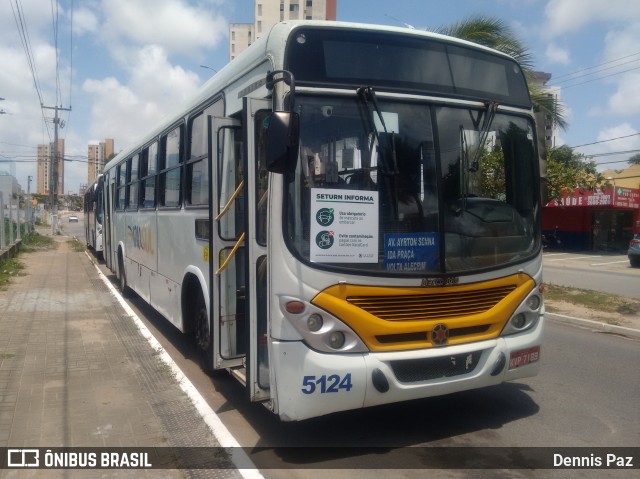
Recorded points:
(269, 48)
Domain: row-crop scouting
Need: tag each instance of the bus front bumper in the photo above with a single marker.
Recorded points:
(309, 384)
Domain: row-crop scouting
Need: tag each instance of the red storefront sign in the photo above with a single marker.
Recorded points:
(620, 198)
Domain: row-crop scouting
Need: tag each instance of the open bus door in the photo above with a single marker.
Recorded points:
(107, 240)
(238, 244)
(238, 264)
(226, 250)
(256, 285)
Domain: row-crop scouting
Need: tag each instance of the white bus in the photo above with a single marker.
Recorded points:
(93, 215)
(344, 216)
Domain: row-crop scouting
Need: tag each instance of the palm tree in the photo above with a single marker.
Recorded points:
(495, 33)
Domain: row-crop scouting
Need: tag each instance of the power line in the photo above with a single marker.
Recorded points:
(610, 153)
(625, 177)
(604, 141)
(611, 162)
(70, 60)
(600, 78)
(598, 65)
(597, 71)
(54, 21)
(21, 24)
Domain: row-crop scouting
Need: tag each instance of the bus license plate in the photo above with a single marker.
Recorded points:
(524, 357)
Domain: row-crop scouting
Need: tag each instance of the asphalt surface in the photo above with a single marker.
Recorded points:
(78, 369)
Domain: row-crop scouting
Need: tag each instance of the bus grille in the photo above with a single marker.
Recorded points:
(431, 306)
(414, 370)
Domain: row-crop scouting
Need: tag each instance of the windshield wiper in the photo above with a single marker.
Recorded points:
(389, 164)
(492, 107)
(387, 160)
(474, 165)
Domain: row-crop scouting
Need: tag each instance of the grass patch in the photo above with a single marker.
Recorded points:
(37, 242)
(594, 300)
(76, 245)
(8, 270)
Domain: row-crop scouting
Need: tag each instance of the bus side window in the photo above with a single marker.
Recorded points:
(171, 169)
(132, 187)
(197, 171)
(122, 182)
(262, 180)
(230, 177)
(148, 175)
(142, 173)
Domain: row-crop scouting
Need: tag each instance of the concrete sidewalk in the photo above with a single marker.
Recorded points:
(76, 371)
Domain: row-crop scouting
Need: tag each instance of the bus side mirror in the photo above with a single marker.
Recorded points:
(282, 134)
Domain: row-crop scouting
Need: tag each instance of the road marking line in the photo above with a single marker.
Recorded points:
(238, 456)
(574, 257)
(554, 254)
(612, 262)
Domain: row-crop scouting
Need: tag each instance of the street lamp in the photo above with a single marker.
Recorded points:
(209, 68)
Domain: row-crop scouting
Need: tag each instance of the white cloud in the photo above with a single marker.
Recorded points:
(34, 13)
(155, 88)
(621, 137)
(85, 21)
(626, 100)
(117, 112)
(568, 16)
(623, 132)
(556, 54)
(622, 41)
(158, 80)
(174, 24)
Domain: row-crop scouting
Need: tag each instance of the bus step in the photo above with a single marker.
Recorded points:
(240, 373)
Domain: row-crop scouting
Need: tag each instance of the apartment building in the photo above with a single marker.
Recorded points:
(98, 156)
(45, 154)
(269, 12)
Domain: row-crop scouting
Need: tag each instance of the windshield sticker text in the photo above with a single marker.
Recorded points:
(411, 251)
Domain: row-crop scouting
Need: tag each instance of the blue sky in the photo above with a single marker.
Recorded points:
(127, 63)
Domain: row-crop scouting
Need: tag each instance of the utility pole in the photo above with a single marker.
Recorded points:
(29, 218)
(53, 171)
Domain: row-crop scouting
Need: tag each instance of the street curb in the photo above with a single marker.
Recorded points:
(10, 251)
(239, 457)
(595, 325)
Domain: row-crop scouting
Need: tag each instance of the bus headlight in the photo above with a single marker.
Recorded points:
(320, 330)
(336, 339)
(533, 302)
(519, 321)
(314, 322)
(526, 315)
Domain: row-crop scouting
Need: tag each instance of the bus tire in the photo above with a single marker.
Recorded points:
(204, 336)
(125, 291)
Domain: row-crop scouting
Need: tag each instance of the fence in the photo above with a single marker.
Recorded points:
(14, 225)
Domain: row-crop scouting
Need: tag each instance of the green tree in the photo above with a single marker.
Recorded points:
(568, 170)
(495, 33)
(635, 159)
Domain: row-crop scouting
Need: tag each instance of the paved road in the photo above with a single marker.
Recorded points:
(598, 272)
(583, 397)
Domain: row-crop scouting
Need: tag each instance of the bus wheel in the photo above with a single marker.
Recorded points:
(122, 277)
(204, 338)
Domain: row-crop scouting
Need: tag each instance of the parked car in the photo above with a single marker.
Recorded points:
(634, 251)
(73, 219)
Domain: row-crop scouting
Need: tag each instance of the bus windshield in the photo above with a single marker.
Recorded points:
(410, 188)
